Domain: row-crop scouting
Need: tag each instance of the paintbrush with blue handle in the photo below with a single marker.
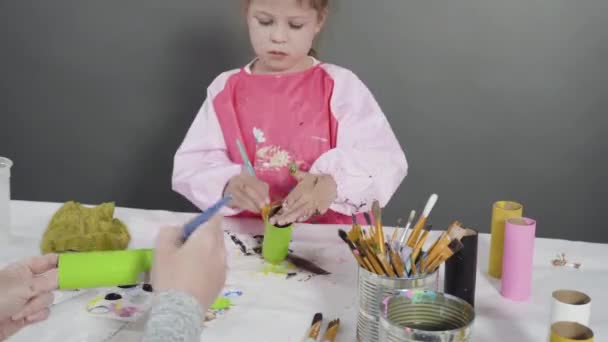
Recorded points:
(205, 216)
(245, 158)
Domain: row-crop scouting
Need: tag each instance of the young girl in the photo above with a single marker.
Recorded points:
(290, 111)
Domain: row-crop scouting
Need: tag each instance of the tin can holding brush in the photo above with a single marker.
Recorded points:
(373, 288)
(424, 315)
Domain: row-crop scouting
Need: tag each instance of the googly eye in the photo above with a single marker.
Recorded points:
(113, 296)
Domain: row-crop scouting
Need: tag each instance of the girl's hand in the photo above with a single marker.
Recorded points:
(196, 267)
(311, 197)
(248, 192)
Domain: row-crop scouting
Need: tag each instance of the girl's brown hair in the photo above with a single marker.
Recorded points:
(318, 5)
(321, 6)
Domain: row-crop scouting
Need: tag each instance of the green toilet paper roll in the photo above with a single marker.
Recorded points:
(276, 243)
(102, 269)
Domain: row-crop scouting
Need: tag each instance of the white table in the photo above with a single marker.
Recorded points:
(275, 309)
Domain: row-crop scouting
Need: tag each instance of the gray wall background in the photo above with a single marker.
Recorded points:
(491, 99)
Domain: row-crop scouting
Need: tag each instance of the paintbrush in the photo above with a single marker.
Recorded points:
(457, 232)
(306, 265)
(386, 265)
(441, 238)
(377, 211)
(418, 247)
(399, 220)
(442, 242)
(374, 251)
(405, 254)
(396, 261)
(364, 247)
(423, 237)
(245, 158)
(270, 210)
(373, 267)
(315, 328)
(368, 219)
(407, 227)
(344, 236)
(411, 242)
(332, 331)
(355, 233)
(205, 216)
(452, 248)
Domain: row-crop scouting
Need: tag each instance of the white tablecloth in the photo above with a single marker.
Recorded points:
(274, 308)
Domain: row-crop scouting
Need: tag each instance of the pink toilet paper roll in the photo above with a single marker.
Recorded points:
(518, 258)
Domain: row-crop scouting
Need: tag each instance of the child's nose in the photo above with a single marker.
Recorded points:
(278, 35)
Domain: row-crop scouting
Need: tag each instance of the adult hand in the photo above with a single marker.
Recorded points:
(26, 289)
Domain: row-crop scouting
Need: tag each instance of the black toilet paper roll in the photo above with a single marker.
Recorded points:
(461, 269)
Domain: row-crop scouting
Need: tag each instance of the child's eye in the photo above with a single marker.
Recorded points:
(265, 22)
(296, 26)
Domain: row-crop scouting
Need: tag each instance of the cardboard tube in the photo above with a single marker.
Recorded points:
(518, 258)
(501, 211)
(276, 243)
(102, 269)
(570, 332)
(570, 306)
(461, 269)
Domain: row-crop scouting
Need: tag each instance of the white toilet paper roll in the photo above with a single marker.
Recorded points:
(570, 306)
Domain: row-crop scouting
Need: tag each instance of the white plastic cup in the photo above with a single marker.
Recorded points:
(5, 197)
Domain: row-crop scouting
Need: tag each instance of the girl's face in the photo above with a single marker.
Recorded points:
(282, 33)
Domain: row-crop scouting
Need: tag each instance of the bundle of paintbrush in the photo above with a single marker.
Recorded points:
(315, 329)
(401, 255)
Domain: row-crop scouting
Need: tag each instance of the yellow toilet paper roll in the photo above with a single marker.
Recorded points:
(570, 332)
(501, 211)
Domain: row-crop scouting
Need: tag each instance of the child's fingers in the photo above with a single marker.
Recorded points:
(298, 210)
(299, 175)
(256, 195)
(242, 201)
(305, 216)
(294, 196)
(209, 233)
(294, 200)
(263, 191)
(169, 239)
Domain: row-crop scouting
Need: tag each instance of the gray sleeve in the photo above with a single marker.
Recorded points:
(175, 317)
